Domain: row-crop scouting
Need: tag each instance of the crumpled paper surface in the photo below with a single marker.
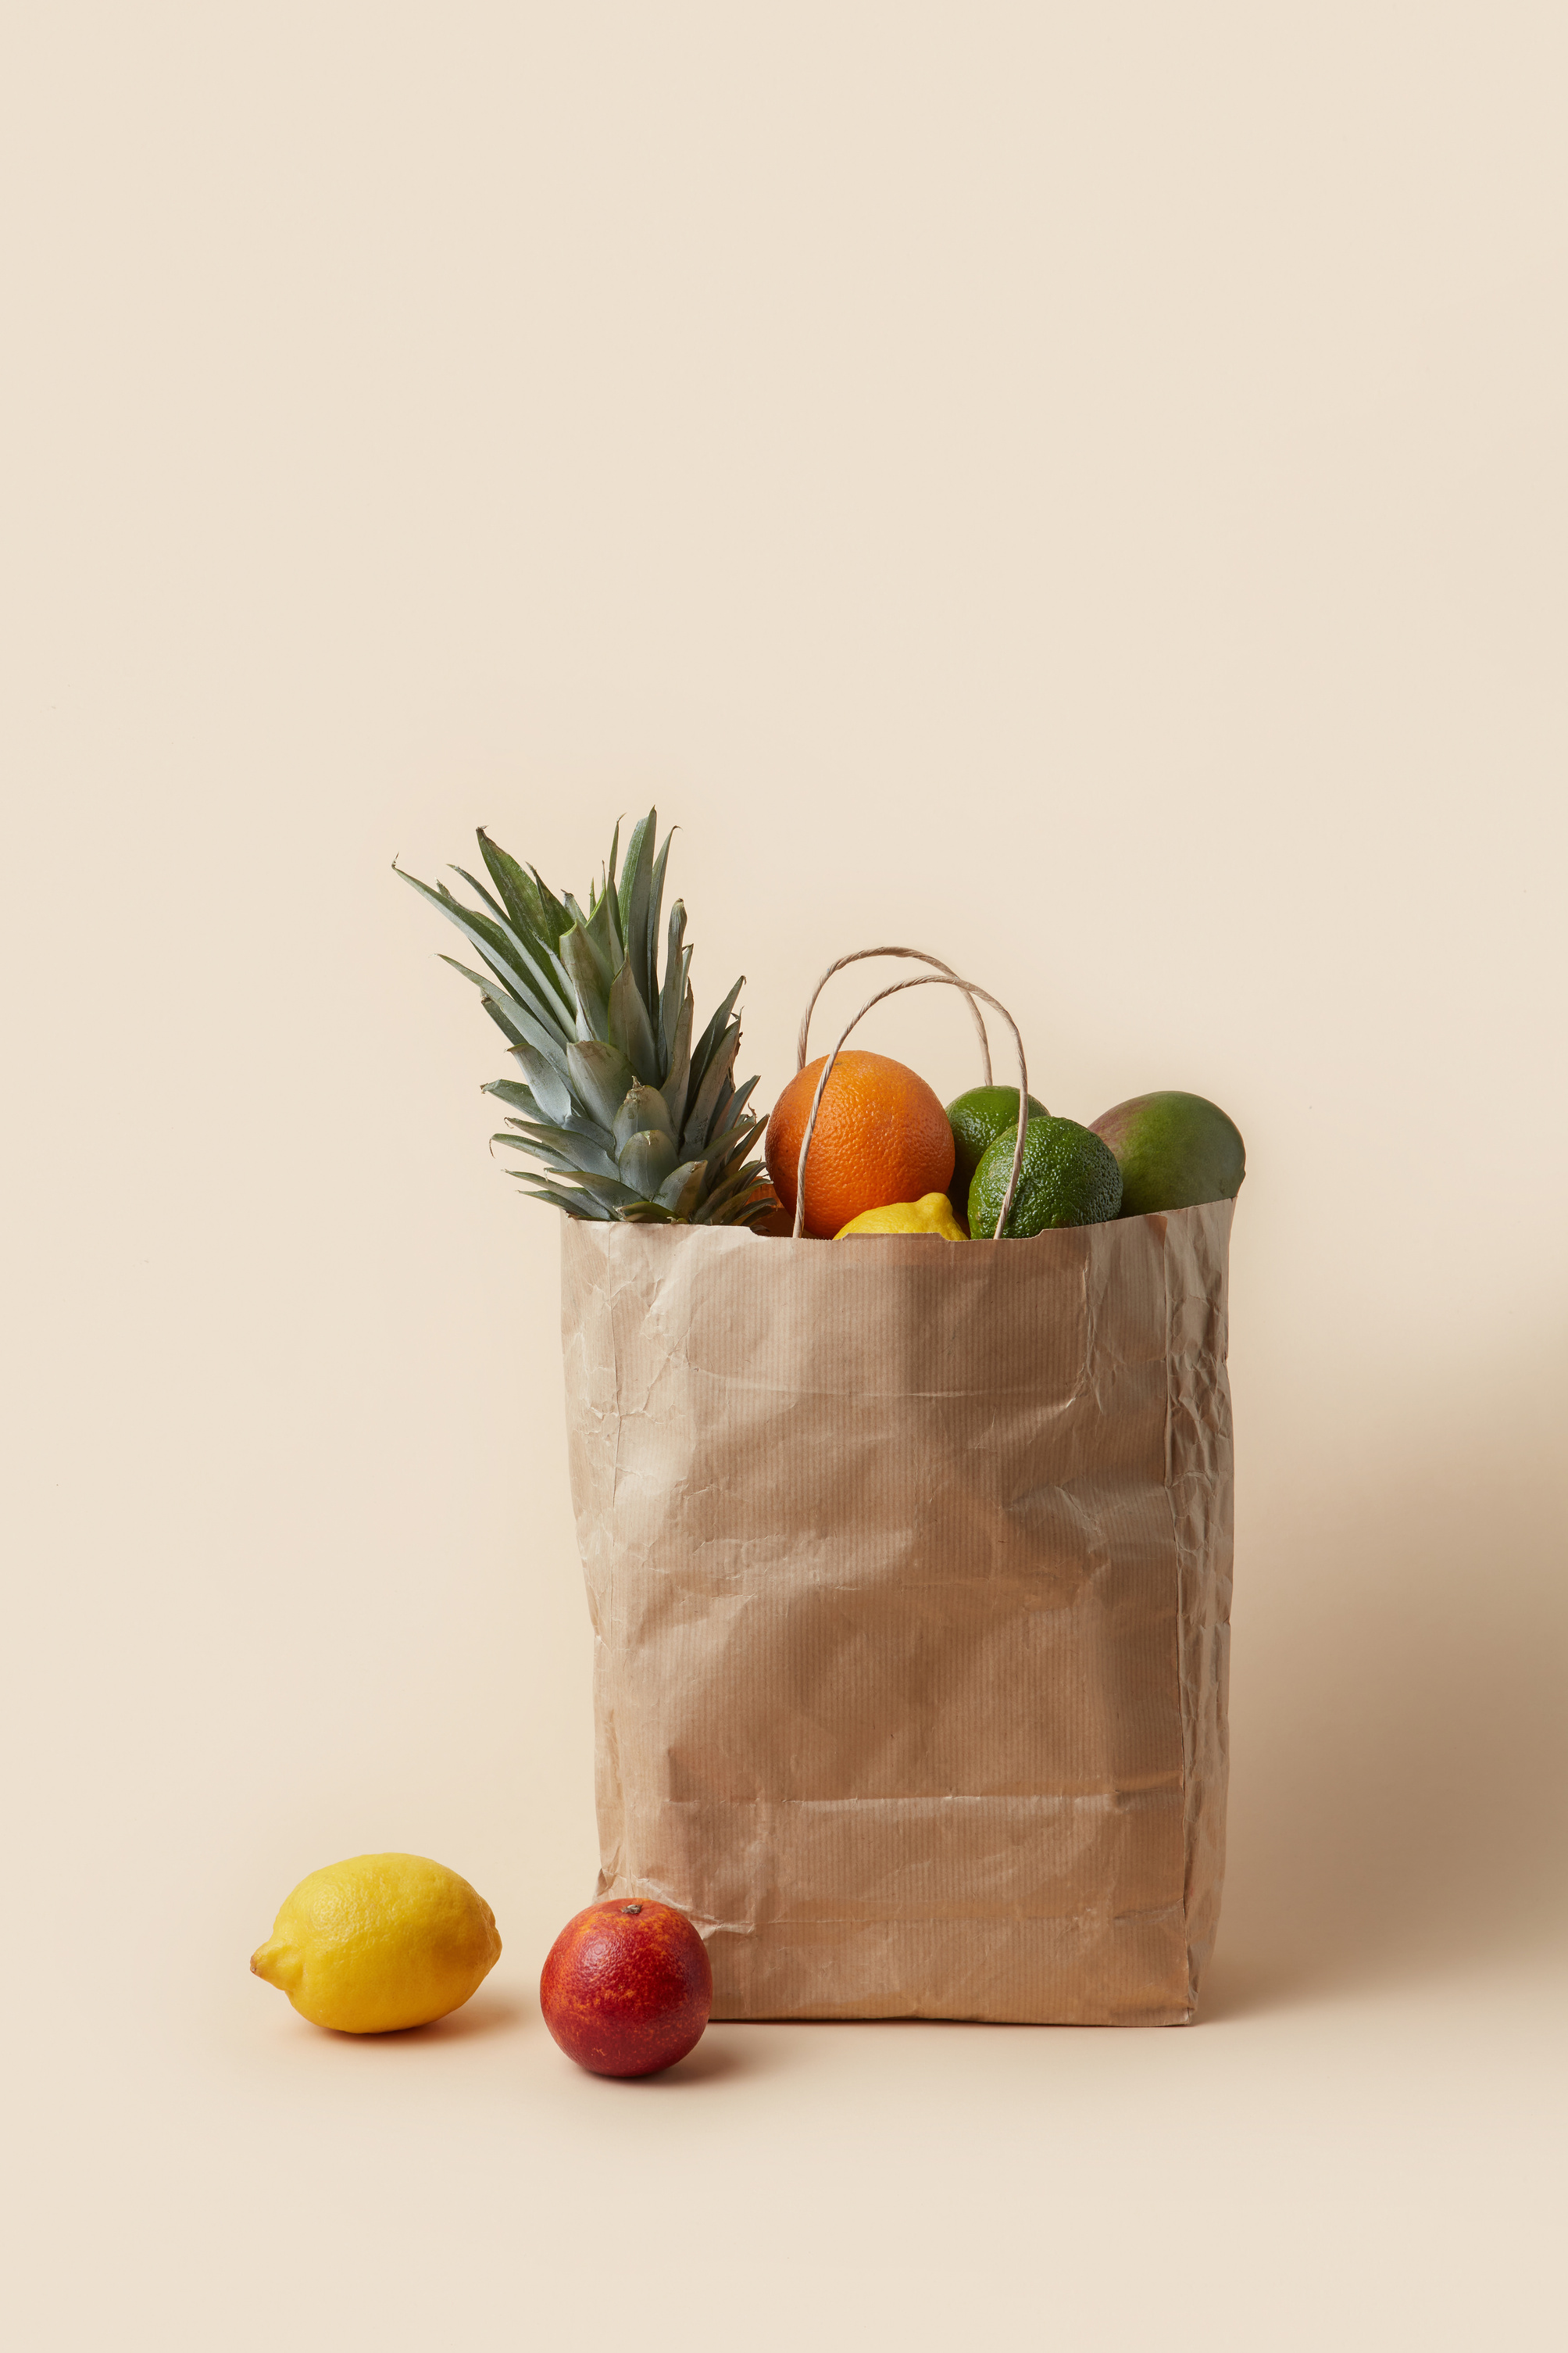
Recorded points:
(909, 1565)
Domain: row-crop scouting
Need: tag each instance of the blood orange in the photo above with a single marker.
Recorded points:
(627, 1988)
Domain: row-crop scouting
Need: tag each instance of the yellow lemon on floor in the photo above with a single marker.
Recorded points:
(380, 1942)
(932, 1214)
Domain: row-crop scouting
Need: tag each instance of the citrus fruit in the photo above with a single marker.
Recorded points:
(627, 1988)
(881, 1135)
(1172, 1150)
(977, 1119)
(379, 1942)
(1068, 1177)
(932, 1214)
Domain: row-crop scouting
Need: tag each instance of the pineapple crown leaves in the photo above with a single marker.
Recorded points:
(625, 1112)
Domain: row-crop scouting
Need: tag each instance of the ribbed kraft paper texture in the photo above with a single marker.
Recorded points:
(909, 1564)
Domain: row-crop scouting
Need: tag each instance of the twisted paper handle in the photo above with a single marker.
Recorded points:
(942, 979)
(858, 956)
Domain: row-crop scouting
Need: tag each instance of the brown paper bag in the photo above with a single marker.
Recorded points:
(909, 1564)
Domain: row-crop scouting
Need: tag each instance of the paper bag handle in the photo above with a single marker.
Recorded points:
(858, 956)
(943, 979)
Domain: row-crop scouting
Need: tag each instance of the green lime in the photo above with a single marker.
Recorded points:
(1174, 1150)
(1068, 1177)
(977, 1119)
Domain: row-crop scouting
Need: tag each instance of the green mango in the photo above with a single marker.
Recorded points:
(1172, 1150)
(977, 1119)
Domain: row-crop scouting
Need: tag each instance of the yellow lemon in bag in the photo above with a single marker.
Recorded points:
(379, 1942)
(932, 1214)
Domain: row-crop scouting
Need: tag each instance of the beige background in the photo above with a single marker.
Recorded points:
(1082, 489)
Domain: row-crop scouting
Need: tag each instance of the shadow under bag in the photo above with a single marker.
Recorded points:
(909, 1565)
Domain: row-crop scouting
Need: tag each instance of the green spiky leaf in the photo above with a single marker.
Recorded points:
(601, 1076)
(682, 1188)
(576, 1204)
(628, 1026)
(546, 1078)
(702, 1051)
(650, 932)
(586, 970)
(565, 1146)
(699, 1119)
(611, 1088)
(677, 966)
(677, 1077)
(643, 1112)
(520, 1022)
(575, 1122)
(745, 1195)
(513, 1036)
(640, 832)
(645, 1161)
(528, 957)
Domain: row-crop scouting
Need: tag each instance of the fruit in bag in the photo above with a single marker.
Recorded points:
(1067, 1178)
(1174, 1150)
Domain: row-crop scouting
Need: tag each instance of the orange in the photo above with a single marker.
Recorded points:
(881, 1135)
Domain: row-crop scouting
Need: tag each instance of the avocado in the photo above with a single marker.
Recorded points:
(1067, 1178)
(1174, 1150)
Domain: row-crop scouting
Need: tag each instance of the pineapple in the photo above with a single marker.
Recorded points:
(627, 1115)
